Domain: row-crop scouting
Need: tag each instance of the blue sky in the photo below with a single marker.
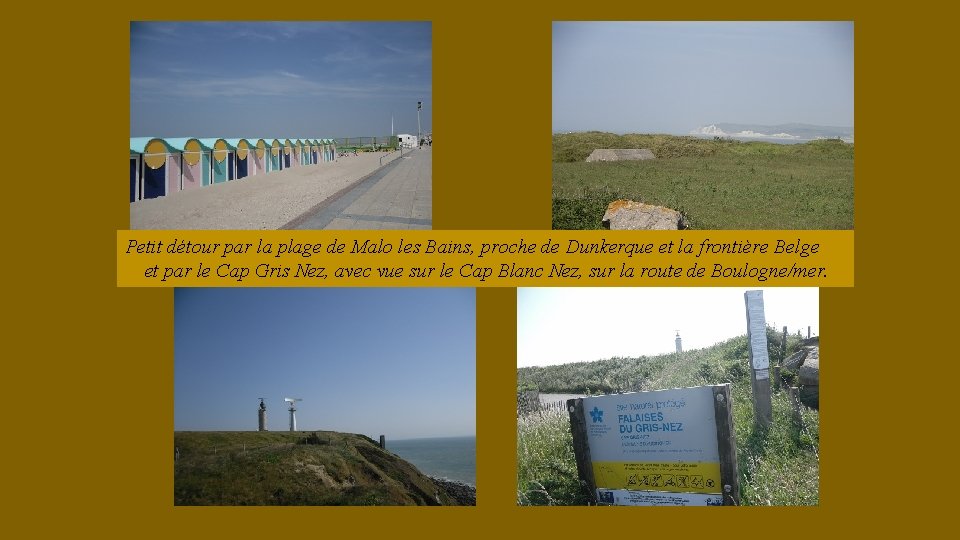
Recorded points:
(673, 77)
(566, 324)
(399, 362)
(279, 79)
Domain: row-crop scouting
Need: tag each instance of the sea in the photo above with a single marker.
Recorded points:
(453, 458)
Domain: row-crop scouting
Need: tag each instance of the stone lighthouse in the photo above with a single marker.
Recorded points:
(262, 416)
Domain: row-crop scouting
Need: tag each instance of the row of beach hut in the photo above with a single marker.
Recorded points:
(161, 166)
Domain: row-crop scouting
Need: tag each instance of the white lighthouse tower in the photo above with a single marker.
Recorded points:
(293, 412)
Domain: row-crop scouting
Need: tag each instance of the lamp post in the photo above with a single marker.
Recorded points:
(419, 134)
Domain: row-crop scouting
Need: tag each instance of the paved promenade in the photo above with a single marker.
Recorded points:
(397, 196)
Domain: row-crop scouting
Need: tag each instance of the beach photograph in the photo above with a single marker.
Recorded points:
(324, 397)
(281, 125)
(703, 125)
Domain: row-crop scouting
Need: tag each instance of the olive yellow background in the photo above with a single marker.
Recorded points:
(88, 367)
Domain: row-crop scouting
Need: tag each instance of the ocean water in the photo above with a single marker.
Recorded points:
(454, 458)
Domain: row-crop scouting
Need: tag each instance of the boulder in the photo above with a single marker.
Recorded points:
(810, 396)
(631, 215)
(810, 370)
(793, 361)
(805, 364)
(620, 154)
(464, 494)
(808, 376)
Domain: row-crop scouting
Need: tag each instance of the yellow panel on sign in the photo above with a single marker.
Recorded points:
(155, 154)
(690, 477)
(261, 149)
(242, 150)
(275, 148)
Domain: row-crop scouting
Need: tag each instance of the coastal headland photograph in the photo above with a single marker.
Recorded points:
(668, 396)
(281, 125)
(703, 125)
(324, 397)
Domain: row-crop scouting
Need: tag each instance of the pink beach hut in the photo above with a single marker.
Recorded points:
(297, 152)
(258, 156)
(195, 162)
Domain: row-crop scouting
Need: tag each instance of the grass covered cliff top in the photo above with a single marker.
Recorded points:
(322, 468)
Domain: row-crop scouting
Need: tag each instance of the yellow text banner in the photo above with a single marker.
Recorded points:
(452, 258)
(692, 477)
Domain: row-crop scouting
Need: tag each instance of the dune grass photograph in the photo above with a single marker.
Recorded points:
(721, 125)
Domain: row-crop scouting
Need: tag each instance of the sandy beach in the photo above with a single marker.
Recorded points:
(265, 201)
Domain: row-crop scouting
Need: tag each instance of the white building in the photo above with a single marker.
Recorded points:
(408, 141)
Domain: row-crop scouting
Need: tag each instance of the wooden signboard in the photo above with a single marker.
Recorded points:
(665, 447)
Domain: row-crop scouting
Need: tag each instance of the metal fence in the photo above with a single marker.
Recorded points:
(384, 142)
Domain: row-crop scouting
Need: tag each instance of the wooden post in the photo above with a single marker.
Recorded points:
(783, 355)
(726, 445)
(795, 404)
(578, 428)
(759, 358)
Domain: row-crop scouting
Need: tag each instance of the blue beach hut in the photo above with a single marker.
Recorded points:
(154, 168)
(287, 150)
(242, 157)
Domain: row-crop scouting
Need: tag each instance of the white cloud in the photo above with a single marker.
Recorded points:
(711, 130)
(714, 131)
(288, 84)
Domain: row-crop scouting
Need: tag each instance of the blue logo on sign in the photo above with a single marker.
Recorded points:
(596, 414)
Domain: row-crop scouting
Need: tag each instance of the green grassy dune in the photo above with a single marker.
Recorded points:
(717, 184)
(778, 466)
